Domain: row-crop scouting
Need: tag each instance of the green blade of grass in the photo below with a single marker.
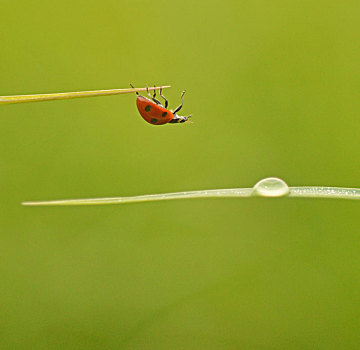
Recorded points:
(269, 187)
(324, 192)
(67, 95)
(233, 192)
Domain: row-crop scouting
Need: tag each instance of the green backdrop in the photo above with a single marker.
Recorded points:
(273, 87)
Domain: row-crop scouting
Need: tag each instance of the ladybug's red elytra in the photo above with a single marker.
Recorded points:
(155, 113)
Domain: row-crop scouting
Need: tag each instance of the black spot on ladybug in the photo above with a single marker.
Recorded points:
(152, 121)
(164, 114)
(147, 108)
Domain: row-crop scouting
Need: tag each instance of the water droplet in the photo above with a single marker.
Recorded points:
(271, 187)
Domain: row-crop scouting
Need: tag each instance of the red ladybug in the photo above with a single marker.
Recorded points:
(155, 113)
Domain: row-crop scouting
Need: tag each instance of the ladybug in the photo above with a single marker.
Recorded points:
(155, 113)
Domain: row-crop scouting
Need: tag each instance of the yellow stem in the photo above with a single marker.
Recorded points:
(68, 95)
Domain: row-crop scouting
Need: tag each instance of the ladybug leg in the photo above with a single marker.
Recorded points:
(147, 90)
(134, 88)
(166, 101)
(182, 102)
(153, 98)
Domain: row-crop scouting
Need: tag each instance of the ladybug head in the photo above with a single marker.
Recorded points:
(179, 119)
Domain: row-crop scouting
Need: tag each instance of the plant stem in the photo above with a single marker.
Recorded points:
(270, 187)
(68, 95)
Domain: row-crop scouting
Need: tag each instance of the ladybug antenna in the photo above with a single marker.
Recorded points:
(187, 119)
(134, 88)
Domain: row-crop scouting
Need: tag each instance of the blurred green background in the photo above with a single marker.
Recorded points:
(273, 87)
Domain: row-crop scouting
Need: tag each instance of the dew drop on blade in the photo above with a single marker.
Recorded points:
(271, 187)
